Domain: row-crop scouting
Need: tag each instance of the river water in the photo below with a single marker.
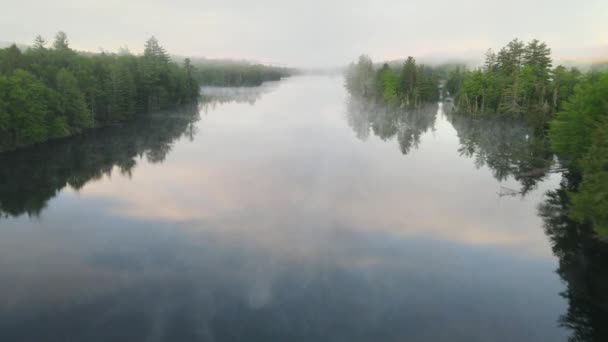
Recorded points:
(287, 212)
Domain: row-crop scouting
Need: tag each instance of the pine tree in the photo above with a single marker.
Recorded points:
(39, 43)
(61, 41)
(11, 60)
(407, 80)
(490, 63)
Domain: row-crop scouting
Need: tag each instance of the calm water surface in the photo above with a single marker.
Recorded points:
(288, 212)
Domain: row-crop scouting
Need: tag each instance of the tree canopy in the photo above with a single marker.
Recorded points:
(48, 93)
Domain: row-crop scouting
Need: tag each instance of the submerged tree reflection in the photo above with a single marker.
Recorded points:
(508, 147)
(386, 122)
(582, 266)
(214, 96)
(29, 178)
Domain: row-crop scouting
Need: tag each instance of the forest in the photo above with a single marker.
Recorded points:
(517, 82)
(49, 92)
(564, 106)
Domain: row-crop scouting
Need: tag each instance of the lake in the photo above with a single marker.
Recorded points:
(292, 212)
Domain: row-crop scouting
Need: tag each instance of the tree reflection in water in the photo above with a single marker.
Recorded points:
(211, 97)
(387, 122)
(509, 148)
(582, 266)
(30, 177)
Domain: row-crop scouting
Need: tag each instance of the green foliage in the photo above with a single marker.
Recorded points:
(26, 105)
(591, 202)
(120, 87)
(407, 82)
(572, 130)
(11, 59)
(455, 79)
(579, 135)
(387, 82)
(72, 104)
(50, 93)
(564, 81)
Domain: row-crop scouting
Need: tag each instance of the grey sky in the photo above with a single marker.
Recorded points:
(314, 32)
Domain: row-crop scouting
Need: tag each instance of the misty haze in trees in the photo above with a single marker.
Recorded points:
(55, 92)
(409, 86)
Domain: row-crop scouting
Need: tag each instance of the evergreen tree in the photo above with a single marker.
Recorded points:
(11, 59)
(61, 41)
(407, 80)
(39, 43)
(491, 61)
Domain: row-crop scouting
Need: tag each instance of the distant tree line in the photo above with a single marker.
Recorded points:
(52, 92)
(237, 74)
(568, 106)
(410, 85)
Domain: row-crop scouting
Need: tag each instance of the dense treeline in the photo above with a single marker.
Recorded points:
(237, 74)
(519, 81)
(53, 92)
(411, 85)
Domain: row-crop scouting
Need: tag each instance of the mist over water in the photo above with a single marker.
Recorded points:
(289, 212)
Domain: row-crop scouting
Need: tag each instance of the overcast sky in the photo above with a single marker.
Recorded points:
(313, 32)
